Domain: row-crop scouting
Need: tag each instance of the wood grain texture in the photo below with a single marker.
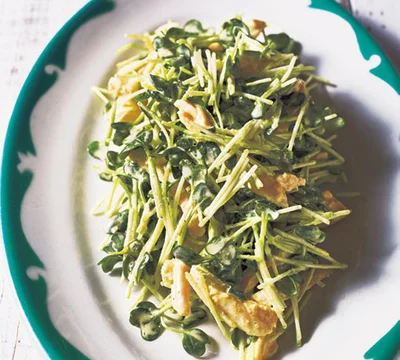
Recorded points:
(26, 26)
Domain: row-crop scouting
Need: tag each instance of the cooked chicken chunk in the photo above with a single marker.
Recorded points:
(256, 319)
(331, 203)
(248, 282)
(194, 230)
(323, 155)
(251, 66)
(123, 85)
(256, 27)
(319, 275)
(290, 182)
(127, 110)
(193, 114)
(274, 188)
(167, 271)
(299, 86)
(264, 348)
(216, 47)
(173, 274)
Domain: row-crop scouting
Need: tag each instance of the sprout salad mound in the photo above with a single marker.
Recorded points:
(219, 165)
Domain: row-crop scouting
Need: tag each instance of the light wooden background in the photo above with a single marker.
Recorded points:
(26, 26)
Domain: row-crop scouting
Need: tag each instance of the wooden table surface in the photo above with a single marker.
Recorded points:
(26, 26)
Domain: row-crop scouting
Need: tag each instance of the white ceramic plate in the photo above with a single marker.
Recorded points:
(48, 186)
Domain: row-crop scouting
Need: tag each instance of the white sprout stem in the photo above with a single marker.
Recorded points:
(246, 226)
(129, 228)
(330, 117)
(289, 209)
(296, 315)
(301, 165)
(201, 290)
(145, 218)
(316, 215)
(245, 178)
(177, 197)
(333, 152)
(269, 291)
(241, 134)
(312, 248)
(281, 276)
(99, 93)
(331, 138)
(319, 139)
(309, 265)
(257, 82)
(272, 87)
(289, 82)
(289, 69)
(257, 98)
(177, 236)
(112, 193)
(162, 210)
(297, 126)
(96, 210)
(222, 196)
(148, 246)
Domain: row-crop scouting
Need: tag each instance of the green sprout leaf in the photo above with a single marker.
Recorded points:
(145, 317)
(202, 195)
(94, 149)
(187, 255)
(195, 341)
(194, 26)
(109, 262)
(146, 260)
(239, 337)
(312, 234)
(287, 286)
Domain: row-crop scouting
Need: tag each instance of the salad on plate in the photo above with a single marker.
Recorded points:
(219, 164)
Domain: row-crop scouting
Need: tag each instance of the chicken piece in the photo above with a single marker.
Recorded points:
(180, 289)
(216, 47)
(282, 128)
(271, 190)
(274, 188)
(167, 273)
(319, 275)
(248, 282)
(323, 155)
(253, 318)
(331, 203)
(256, 27)
(139, 156)
(290, 182)
(299, 86)
(127, 109)
(193, 114)
(251, 66)
(194, 230)
(260, 297)
(123, 85)
(264, 348)
(173, 274)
